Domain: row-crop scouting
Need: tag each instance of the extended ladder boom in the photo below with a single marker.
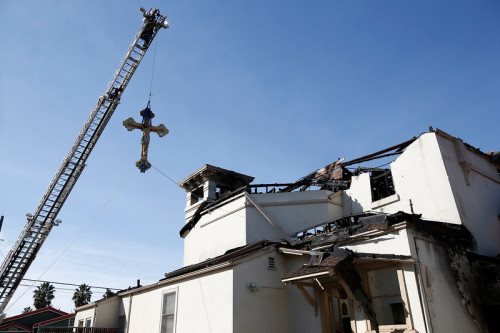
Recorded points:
(42, 220)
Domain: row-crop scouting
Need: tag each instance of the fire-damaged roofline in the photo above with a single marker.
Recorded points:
(336, 169)
(352, 228)
(334, 177)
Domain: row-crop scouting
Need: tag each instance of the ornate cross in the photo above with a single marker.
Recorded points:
(146, 127)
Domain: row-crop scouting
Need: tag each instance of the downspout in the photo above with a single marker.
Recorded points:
(421, 290)
(95, 314)
(129, 311)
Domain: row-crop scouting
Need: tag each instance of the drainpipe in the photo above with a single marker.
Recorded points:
(95, 314)
(421, 289)
(129, 311)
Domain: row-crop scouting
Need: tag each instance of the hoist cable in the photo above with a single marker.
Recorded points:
(153, 70)
(164, 175)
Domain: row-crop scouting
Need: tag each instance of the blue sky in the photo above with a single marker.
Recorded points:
(272, 89)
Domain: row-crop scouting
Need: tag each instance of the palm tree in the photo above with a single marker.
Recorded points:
(108, 293)
(27, 309)
(43, 295)
(82, 295)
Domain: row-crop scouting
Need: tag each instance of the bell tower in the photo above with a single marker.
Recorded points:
(210, 183)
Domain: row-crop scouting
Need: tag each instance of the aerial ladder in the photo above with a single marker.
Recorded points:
(40, 223)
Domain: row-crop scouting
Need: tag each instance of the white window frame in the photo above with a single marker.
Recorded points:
(408, 326)
(169, 291)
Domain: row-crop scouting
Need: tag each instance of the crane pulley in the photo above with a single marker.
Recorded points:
(40, 223)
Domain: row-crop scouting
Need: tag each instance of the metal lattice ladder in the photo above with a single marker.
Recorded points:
(40, 223)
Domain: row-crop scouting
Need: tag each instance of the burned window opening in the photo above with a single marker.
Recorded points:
(221, 191)
(196, 195)
(381, 184)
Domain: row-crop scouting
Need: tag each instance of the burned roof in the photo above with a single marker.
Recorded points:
(321, 263)
(349, 228)
(325, 263)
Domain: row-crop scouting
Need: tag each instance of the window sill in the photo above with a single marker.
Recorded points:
(385, 201)
(392, 328)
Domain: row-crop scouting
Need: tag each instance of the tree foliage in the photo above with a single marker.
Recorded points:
(27, 309)
(82, 295)
(43, 295)
(108, 293)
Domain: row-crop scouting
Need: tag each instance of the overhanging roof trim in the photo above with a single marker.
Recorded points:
(210, 168)
(230, 255)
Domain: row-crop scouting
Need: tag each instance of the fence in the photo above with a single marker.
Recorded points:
(77, 330)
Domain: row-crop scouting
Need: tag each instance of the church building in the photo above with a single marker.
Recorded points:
(412, 246)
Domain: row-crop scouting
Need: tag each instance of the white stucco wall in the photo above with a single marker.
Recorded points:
(479, 201)
(414, 301)
(239, 223)
(107, 314)
(302, 317)
(429, 173)
(216, 232)
(419, 174)
(446, 312)
(292, 211)
(264, 310)
(204, 304)
(357, 198)
(395, 242)
(84, 313)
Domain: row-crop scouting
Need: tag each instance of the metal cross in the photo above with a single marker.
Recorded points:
(146, 127)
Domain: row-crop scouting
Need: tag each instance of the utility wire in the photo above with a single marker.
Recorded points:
(77, 236)
(69, 284)
(106, 257)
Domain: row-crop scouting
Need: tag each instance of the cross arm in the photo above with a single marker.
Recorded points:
(161, 130)
(130, 124)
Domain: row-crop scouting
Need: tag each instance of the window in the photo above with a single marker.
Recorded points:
(88, 322)
(389, 300)
(80, 323)
(196, 195)
(71, 322)
(381, 184)
(168, 312)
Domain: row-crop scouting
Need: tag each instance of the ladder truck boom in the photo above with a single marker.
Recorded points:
(40, 223)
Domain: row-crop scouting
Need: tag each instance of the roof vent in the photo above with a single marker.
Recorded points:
(271, 264)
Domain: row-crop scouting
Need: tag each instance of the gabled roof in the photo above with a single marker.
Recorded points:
(34, 312)
(8, 326)
(55, 320)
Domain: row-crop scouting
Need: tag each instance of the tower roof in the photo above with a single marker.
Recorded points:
(221, 176)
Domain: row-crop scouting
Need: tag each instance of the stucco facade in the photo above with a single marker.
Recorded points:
(369, 250)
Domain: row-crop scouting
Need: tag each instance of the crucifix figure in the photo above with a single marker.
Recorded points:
(146, 127)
